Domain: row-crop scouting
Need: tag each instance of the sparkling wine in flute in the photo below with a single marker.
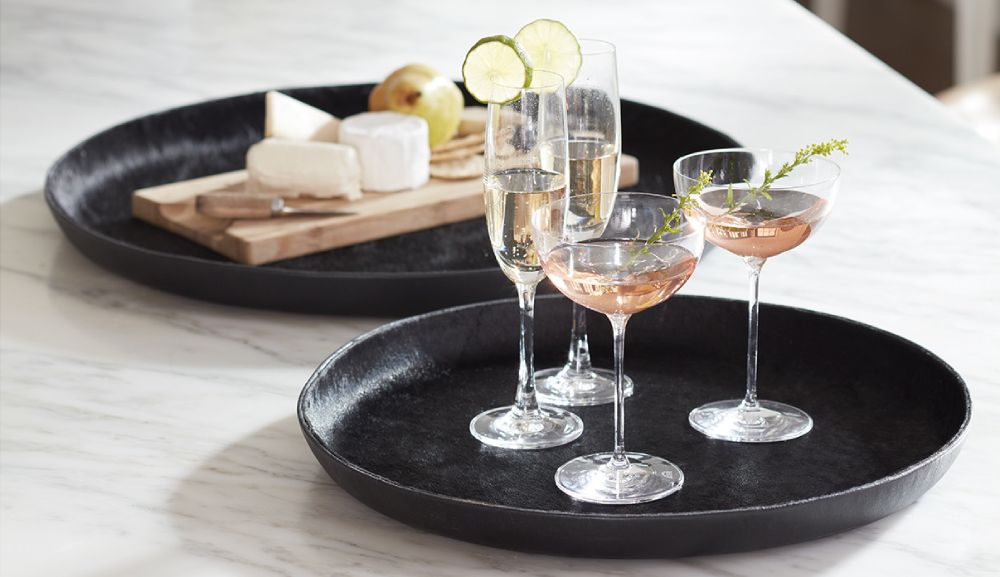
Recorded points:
(593, 121)
(511, 197)
(524, 161)
(594, 274)
(593, 170)
(593, 166)
(762, 228)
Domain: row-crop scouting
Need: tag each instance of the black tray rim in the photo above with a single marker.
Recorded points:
(314, 440)
(68, 222)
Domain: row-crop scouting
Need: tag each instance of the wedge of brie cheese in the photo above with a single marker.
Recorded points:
(291, 119)
(393, 149)
(294, 168)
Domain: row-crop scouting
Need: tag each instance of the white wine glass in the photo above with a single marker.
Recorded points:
(594, 131)
(755, 227)
(609, 268)
(525, 168)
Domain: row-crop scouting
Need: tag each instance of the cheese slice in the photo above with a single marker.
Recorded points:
(291, 119)
(393, 149)
(293, 169)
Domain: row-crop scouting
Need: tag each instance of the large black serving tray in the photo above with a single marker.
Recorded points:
(89, 190)
(387, 417)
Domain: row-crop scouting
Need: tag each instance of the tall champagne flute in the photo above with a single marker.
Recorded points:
(609, 268)
(525, 169)
(756, 228)
(594, 121)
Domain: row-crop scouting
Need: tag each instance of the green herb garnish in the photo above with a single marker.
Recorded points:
(671, 222)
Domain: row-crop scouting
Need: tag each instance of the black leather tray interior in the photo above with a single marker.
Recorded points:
(388, 414)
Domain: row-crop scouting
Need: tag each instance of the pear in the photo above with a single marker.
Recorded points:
(422, 91)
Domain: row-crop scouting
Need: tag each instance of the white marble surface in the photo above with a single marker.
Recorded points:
(148, 434)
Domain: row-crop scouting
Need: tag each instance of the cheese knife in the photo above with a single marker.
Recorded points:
(252, 205)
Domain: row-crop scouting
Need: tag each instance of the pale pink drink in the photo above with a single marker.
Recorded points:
(765, 227)
(605, 261)
(600, 282)
(755, 222)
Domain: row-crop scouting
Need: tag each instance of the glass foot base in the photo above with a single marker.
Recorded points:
(592, 479)
(569, 388)
(769, 422)
(508, 428)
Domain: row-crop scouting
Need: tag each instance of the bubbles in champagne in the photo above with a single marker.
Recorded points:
(511, 198)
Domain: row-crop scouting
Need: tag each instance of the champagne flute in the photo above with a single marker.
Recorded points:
(756, 228)
(594, 121)
(610, 269)
(525, 167)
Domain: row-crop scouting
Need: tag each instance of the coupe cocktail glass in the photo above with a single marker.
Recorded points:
(605, 265)
(755, 228)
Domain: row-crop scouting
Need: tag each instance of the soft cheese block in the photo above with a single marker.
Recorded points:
(291, 119)
(293, 168)
(393, 149)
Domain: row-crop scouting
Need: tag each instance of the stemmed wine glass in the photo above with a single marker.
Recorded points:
(594, 121)
(756, 227)
(606, 266)
(525, 168)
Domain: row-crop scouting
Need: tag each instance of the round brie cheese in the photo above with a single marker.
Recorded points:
(392, 147)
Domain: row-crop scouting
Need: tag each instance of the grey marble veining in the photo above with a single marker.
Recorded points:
(147, 434)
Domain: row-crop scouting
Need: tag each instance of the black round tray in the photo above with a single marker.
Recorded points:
(89, 192)
(387, 416)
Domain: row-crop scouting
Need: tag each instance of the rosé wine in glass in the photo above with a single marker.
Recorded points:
(607, 266)
(755, 226)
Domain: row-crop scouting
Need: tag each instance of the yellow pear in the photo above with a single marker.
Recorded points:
(422, 91)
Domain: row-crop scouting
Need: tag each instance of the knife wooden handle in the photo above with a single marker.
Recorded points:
(238, 205)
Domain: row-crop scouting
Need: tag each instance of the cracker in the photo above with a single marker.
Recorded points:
(461, 169)
(473, 120)
(461, 142)
(458, 153)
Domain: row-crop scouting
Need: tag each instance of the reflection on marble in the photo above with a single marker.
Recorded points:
(145, 433)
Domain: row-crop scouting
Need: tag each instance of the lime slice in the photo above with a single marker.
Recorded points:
(494, 70)
(551, 46)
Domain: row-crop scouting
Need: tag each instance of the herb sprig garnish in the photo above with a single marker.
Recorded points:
(802, 156)
(672, 221)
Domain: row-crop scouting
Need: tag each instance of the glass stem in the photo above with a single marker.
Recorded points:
(526, 403)
(754, 264)
(618, 322)
(579, 348)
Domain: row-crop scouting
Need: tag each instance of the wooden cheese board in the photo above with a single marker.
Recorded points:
(89, 191)
(259, 241)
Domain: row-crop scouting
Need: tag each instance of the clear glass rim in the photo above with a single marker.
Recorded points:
(831, 178)
(690, 227)
(596, 46)
(555, 81)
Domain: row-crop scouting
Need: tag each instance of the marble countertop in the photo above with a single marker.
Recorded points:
(142, 433)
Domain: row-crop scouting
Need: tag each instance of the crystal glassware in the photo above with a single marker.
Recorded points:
(525, 168)
(605, 265)
(594, 131)
(755, 228)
